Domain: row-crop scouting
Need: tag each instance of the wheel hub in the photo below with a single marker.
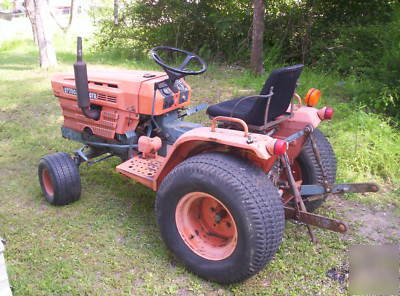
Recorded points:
(206, 226)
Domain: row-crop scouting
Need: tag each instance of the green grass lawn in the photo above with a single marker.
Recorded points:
(108, 243)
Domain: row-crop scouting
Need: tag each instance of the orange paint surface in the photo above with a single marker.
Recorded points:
(122, 95)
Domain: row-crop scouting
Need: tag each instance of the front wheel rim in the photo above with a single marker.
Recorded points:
(206, 226)
(47, 183)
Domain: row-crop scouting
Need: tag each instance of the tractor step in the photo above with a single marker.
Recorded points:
(141, 169)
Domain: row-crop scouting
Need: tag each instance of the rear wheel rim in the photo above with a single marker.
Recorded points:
(47, 183)
(206, 226)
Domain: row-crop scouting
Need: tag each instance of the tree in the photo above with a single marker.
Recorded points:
(73, 12)
(256, 60)
(116, 10)
(14, 6)
(38, 13)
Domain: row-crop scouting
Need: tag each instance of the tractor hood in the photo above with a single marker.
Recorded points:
(120, 88)
(112, 78)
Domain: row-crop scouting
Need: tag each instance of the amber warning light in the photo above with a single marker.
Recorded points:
(312, 97)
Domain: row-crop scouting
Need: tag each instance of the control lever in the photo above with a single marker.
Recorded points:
(194, 109)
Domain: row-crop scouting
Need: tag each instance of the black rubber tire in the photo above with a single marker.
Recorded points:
(311, 171)
(64, 176)
(253, 201)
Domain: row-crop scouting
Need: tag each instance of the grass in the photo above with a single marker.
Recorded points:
(108, 242)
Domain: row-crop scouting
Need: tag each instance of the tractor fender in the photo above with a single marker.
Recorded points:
(258, 148)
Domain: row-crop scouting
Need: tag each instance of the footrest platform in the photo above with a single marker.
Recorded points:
(141, 169)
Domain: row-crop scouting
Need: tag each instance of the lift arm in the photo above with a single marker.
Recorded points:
(338, 188)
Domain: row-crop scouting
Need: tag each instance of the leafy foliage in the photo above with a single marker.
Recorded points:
(211, 28)
(355, 38)
(378, 67)
(6, 5)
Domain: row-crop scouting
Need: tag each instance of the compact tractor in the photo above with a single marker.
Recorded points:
(224, 190)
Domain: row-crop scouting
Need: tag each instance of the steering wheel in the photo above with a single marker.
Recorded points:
(181, 71)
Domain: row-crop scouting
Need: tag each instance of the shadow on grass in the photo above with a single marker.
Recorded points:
(23, 55)
(18, 61)
(127, 191)
(21, 83)
(16, 68)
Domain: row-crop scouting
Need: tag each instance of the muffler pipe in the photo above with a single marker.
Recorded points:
(81, 83)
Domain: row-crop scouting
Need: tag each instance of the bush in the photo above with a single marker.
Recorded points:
(372, 54)
(207, 27)
(354, 38)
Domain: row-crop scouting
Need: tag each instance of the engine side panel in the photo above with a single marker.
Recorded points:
(111, 121)
(122, 95)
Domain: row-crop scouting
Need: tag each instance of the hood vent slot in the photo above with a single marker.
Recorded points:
(107, 98)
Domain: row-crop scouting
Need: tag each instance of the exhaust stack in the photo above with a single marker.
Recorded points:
(81, 83)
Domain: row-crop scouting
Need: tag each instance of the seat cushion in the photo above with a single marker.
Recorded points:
(234, 108)
(281, 83)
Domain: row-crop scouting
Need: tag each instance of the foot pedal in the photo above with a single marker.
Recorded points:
(141, 169)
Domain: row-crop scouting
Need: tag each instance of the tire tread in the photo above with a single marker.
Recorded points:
(328, 161)
(65, 178)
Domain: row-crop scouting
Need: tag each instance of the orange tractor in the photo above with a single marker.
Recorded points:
(224, 190)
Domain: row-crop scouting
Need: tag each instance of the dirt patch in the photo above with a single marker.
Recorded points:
(6, 116)
(376, 225)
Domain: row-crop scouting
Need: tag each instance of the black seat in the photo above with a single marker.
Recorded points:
(282, 83)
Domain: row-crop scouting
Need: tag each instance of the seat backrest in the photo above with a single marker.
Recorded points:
(283, 81)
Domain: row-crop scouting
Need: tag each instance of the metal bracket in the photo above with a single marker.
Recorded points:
(306, 131)
(92, 162)
(299, 211)
(319, 161)
(86, 156)
(81, 154)
(300, 208)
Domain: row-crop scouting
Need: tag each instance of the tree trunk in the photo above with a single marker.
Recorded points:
(30, 11)
(74, 11)
(256, 60)
(74, 7)
(38, 13)
(116, 10)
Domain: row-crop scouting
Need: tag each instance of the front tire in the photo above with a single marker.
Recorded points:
(59, 179)
(221, 216)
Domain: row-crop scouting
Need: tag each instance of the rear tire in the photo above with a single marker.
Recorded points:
(59, 179)
(248, 202)
(310, 169)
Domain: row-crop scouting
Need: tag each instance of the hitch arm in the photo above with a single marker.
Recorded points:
(338, 188)
(315, 220)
